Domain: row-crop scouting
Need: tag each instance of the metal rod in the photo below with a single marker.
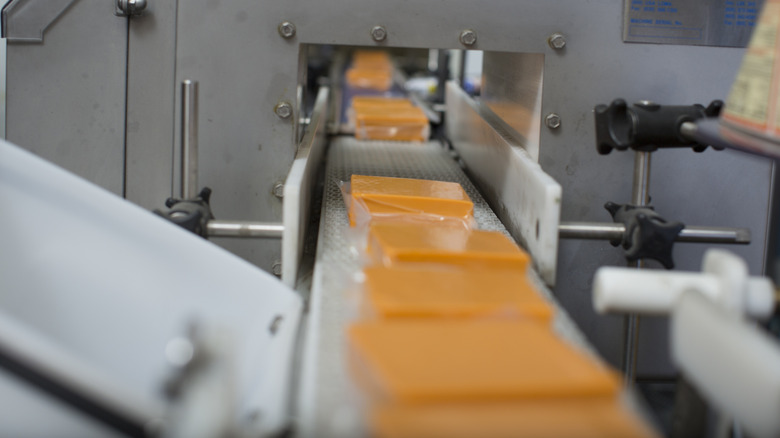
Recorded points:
(244, 229)
(614, 231)
(640, 196)
(640, 193)
(189, 139)
(689, 130)
(631, 339)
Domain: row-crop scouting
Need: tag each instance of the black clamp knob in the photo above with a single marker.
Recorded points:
(190, 214)
(647, 235)
(647, 126)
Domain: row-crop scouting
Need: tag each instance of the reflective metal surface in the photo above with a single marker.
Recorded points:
(512, 88)
(613, 231)
(153, 99)
(189, 139)
(218, 228)
(67, 96)
(27, 20)
(527, 200)
(640, 196)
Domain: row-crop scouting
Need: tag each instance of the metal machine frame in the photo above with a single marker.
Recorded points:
(247, 65)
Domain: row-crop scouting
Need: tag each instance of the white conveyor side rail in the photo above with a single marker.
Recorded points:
(102, 284)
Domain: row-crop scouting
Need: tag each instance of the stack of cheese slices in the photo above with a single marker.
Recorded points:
(454, 340)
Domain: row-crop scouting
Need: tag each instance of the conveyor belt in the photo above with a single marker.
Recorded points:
(329, 404)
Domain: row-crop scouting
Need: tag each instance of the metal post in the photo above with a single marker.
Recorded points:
(691, 234)
(245, 229)
(640, 196)
(189, 139)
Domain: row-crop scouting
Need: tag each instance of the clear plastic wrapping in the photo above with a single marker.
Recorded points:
(485, 360)
(402, 124)
(384, 199)
(404, 243)
(434, 293)
(371, 70)
(373, 104)
(555, 418)
(450, 292)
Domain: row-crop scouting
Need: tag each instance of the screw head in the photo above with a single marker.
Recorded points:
(283, 110)
(553, 121)
(287, 29)
(278, 190)
(276, 269)
(557, 41)
(468, 37)
(378, 33)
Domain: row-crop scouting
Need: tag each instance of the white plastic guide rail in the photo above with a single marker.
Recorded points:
(527, 200)
(299, 186)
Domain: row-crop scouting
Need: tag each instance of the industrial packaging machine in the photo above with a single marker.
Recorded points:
(107, 90)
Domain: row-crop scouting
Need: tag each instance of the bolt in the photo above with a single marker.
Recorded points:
(278, 190)
(179, 351)
(287, 29)
(378, 33)
(557, 41)
(468, 37)
(553, 121)
(276, 322)
(276, 269)
(283, 110)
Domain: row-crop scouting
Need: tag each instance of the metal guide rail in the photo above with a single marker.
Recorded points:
(328, 403)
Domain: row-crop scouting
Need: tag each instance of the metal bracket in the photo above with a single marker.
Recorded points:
(27, 20)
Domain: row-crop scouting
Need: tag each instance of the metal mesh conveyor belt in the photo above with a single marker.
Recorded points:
(327, 398)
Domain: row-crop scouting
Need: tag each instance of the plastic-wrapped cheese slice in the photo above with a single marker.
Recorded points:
(434, 292)
(401, 242)
(374, 197)
(445, 360)
(570, 418)
(393, 124)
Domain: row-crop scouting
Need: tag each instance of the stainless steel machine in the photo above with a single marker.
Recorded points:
(95, 86)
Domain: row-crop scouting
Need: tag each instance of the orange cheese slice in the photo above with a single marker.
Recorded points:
(392, 243)
(370, 58)
(382, 197)
(396, 124)
(452, 292)
(570, 418)
(380, 79)
(380, 103)
(446, 360)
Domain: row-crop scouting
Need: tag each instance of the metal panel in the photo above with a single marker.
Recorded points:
(27, 20)
(150, 104)
(512, 88)
(66, 98)
(245, 67)
(696, 22)
(526, 199)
